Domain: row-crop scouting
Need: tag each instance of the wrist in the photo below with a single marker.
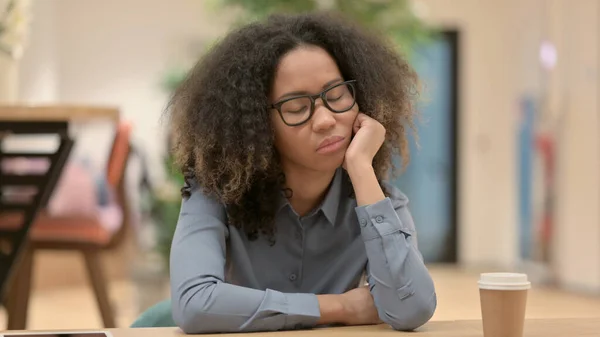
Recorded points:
(365, 183)
(359, 167)
(332, 309)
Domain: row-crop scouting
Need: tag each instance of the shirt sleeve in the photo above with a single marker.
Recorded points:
(401, 286)
(202, 301)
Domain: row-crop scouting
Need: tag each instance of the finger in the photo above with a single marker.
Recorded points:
(358, 122)
(362, 117)
(356, 119)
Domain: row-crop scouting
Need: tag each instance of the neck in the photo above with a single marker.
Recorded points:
(308, 188)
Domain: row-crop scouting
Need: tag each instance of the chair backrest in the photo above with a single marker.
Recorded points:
(119, 153)
(115, 174)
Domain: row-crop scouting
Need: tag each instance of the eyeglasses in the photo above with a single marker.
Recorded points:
(299, 109)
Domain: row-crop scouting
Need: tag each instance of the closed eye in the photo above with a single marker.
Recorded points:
(302, 109)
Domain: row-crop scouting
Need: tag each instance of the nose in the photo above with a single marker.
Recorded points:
(322, 119)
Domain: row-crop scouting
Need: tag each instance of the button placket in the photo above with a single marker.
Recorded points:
(298, 236)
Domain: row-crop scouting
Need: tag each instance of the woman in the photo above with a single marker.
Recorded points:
(285, 132)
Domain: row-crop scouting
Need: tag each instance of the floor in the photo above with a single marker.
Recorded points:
(458, 298)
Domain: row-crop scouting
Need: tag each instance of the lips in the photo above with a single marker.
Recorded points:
(331, 144)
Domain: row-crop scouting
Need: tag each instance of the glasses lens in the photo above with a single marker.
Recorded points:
(296, 110)
(340, 98)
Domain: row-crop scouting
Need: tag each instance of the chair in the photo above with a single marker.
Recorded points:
(157, 316)
(24, 190)
(79, 234)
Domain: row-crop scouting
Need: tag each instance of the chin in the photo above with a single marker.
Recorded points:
(329, 164)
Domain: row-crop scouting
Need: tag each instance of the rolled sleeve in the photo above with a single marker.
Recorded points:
(284, 311)
(302, 311)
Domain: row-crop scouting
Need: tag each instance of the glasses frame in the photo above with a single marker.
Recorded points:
(313, 99)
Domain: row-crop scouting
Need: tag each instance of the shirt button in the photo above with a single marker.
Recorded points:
(298, 236)
(363, 222)
(293, 277)
(379, 219)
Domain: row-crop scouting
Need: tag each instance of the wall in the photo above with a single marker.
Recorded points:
(39, 77)
(499, 51)
(114, 53)
(577, 246)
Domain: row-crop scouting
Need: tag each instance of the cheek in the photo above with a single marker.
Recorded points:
(355, 110)
(287, 139)
(350, 117)
(292, 142)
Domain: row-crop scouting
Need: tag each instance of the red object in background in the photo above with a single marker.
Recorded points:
(545, 146)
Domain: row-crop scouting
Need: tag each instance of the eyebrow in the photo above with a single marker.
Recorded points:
(299, 93)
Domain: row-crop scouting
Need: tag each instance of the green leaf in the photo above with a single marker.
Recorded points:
(391, 17)
(173, 78)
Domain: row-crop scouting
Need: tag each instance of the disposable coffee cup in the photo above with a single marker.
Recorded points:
(503, 299)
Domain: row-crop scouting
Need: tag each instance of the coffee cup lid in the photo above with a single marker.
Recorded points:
(504, 281)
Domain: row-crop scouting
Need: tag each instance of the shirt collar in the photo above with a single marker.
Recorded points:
(330, 204)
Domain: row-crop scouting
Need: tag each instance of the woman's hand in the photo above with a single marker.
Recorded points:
(369, 135)
(359, 307)
(354, 307)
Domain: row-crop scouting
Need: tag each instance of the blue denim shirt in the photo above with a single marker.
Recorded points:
(273, 287)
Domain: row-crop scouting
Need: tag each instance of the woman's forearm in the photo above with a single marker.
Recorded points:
(399, 281)
(364, 181)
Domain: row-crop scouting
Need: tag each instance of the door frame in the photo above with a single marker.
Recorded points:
(453, 37)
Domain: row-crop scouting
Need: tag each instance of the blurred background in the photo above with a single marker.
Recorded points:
(505, 176)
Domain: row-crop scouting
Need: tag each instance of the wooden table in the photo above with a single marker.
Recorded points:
(33, 120)
(566, 327)
(57, 113)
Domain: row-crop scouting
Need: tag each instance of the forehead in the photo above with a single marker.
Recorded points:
(305, 68)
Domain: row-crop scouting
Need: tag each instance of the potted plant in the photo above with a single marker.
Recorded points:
(14, 22)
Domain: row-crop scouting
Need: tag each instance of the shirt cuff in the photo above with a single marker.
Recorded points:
(379, 219)
(302, 311)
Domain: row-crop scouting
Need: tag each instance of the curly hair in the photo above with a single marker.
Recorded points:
(221, 132)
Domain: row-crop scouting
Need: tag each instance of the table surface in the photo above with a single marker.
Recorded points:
(572, 327)
(57, 113)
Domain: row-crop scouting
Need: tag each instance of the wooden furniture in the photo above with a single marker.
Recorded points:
(26, 229)
(57, 113)
(571, 327)
(14, 233)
